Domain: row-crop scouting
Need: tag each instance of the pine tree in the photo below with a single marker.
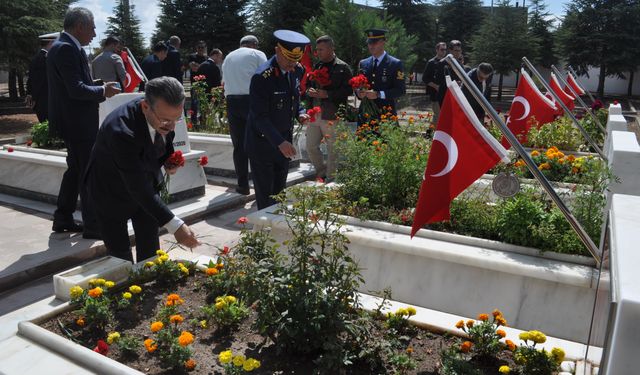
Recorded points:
(125, 25)
(540, 28)
(460, 19)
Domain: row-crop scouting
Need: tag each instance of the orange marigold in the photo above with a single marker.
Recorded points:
(176, 319)
(174, 300)
(496, 313)
(212, 271)
(483, 317)
(466, 346)
(190, 364)
(460, 324)
(185, 338)
(219, 266)
(510, 345)
(470, 323)
(150, 345)
(95, 292)
(156, 326)
(501, 321)
(501, 333)
(80, 322)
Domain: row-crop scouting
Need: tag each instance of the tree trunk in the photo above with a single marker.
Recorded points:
(601, 79)
(21, 90)
(500, 87)
(13, 91)
(630, 87)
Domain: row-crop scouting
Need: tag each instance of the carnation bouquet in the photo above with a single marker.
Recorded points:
(369, 108)
(176, 160)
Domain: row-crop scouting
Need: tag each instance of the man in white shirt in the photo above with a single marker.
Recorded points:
(238, 68)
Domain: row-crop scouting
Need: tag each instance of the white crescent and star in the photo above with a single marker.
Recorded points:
(525, 104)
(128, 80)
(452, 151)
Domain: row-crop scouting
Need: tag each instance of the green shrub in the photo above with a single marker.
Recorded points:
(41, 138)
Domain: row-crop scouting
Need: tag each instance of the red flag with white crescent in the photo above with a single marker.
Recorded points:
(462, 151)
(574, 85)
(134, 77)
(528, 103)
(564, 97)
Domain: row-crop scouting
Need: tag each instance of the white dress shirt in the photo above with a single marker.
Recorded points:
(238, 68)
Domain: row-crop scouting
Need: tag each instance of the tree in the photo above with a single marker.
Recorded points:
(125, 25)
(20, 24)
(596, 33)
(346, 24)
(540, 29)
(503, 40)
(460, 19)
(221, 24)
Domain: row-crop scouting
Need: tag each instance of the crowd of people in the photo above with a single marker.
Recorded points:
(115, 167)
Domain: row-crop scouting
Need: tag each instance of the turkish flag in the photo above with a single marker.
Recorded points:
(462, 151)
(528, 103)
(574, 85)
(307, 64)
(134, 77)
(564, 97)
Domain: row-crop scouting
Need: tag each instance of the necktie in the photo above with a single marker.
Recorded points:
(375, 65)
(159, 145)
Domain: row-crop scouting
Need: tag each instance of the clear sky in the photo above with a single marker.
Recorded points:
(148, 10)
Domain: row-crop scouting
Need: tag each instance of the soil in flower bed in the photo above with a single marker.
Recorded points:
(425, 346)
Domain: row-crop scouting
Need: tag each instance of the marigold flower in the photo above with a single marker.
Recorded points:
(558, 354)
(219, 266)
(76, 292)
(113, 337)
(535, 153)
(135, 289)
(176, 319)
(510, 345)
(160, 253)
(501, 321)
(483, 317)
(220, 305)
(109, 284)
(460, 324)
(163, 258)
(571, 158)
(225, 357)
(524, 336)
(150, 345)
(80, 322)
(238, 360)
(126, 295)
(183, 269)
(501, 333)
(230, 299)
(466, 346)
(544, 166)
(375, 143)
(100, 282)
(95, 292)
(203, 324)
(410, 350)
(149, 264)
(411, 311)
(212, 271)
(401, 312)
(504, 369)
(185, 338)
(470, 323)
(537, 337)
(190, 364)
(156, 326)
(250, 364)
(519, 163)
(174, 300)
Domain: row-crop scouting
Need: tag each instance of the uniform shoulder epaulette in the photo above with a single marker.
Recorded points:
(267, 72)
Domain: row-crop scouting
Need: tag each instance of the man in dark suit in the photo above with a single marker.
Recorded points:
(443, 70)
(210, 70)
(73, 115)
(172, 65)
(152, 64)
(384, 72)
(274, 102)
(124, 175)
(429, 79)
(37, 91)
(481, 77)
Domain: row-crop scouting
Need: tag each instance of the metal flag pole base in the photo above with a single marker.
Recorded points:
(531, 165)
(576, 77)
(577, 96)
(565, 108)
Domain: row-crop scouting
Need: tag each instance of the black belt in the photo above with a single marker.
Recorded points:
(236, 96)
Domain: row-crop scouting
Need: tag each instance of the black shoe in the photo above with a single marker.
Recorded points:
(243, 190)
(73, 227)
(91, 235)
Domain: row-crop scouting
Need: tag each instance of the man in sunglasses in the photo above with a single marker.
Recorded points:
(429, 78)
(124, 176)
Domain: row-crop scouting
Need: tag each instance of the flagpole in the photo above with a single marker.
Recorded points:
(565, 108)
(144, 76)
(533, 168)
(577, 96)
(576, 77)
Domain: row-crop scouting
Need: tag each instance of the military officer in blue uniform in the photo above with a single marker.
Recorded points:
(384, 72)
(274, 105)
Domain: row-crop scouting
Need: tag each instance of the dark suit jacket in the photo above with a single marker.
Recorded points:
(37, 81)
(388, 77)
(477, 108)
(73, 98)
(338, 90)
(172, 65)
(429, 76)
(124, 170)
(210, 70)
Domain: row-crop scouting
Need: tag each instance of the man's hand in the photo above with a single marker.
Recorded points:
(29, 102)
(186, 237)
(317, 93)
(111, 89)
(304, 118)
(170, 170)
(371, 94)
(287, 149)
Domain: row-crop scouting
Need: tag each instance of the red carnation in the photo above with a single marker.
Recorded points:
(359, 82)
(243, 220)
(204, 160)
(313, 112)
(175, 160)
(321, 76)
(101, 348)
(10, 149)
(225, 250)
(199, 78)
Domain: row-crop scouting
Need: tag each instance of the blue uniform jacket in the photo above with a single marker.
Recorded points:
(274, 103)
(388, 77)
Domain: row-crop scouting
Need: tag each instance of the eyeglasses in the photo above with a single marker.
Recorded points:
(163, 122)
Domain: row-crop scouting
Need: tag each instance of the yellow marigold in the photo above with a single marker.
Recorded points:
(558, 354)
(203, 324)
(80, 322)
(113, 337)
(148, 264)
(220, 305)
(411, 311)
(190, 364)
(230, 299)
(519, 163)
(544, 166)
(504, 369)
(150, 345)
(100, 282)
(537, 337)
(510, 345)
(76, 292)
(176, 319)
(174, 300)
(164, 258)
(212, 271)
(225, 357)
(238, 360)
(95, 292)
(185, 338)
(535, 153)
(470, 323)
(135, 289)
(524, 336)
(483, 317)
(466, 346)
(501, 333)
(250, 364)
(160, 253)
(126, 295)
(109, 284)
(460, 324)
(156, 326)
(219, 266)
(184, 269)
(401, 312)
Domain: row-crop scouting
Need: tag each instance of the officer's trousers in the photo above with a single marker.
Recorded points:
(269, 175)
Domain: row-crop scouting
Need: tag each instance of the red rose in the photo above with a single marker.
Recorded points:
(243, 220)
(225, 250)
(10, 149)
(101, 347)
(204, 160)
(175, 160)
